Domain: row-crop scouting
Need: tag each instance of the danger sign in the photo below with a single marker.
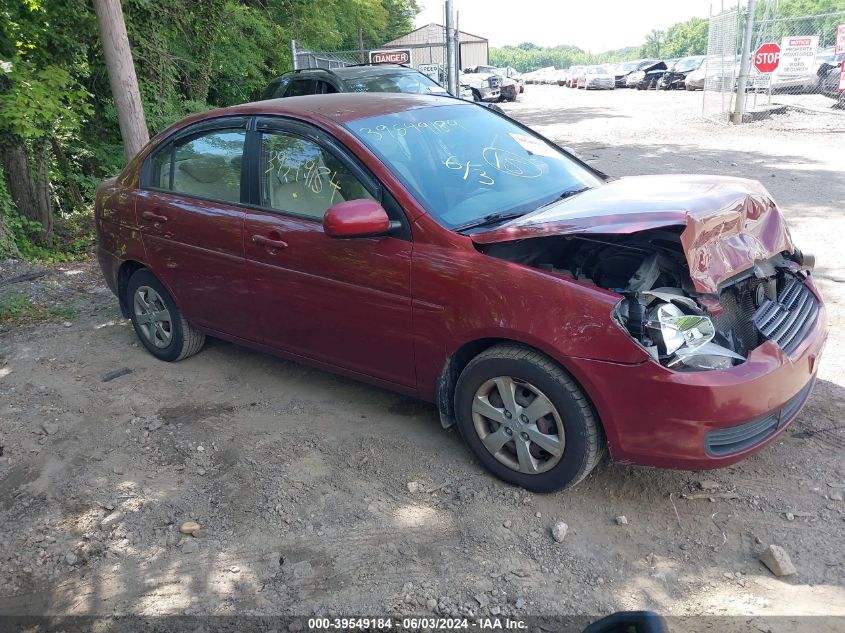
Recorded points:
(842, 77)
(766, 57)
(840, 39)
(798, 55)
(391, 56)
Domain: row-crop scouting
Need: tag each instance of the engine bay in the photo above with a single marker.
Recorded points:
(661, 309)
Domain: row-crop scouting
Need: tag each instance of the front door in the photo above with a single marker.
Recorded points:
(342, 302)
(191, 219)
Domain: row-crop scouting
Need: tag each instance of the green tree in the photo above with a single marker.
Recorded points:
(686, 38)
(653, 44)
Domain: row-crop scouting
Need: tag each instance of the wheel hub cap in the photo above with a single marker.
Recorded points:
(518, 425)
(153, 317)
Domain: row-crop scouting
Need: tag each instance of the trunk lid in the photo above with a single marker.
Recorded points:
(729, 223)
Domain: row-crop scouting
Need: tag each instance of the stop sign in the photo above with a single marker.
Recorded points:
(767, 57)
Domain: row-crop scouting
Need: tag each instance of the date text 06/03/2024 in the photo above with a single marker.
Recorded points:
(416, 624)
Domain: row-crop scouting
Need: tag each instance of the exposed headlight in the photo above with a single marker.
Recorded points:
(672, 329)
(686, 340)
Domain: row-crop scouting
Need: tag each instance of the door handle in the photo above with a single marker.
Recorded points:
(269, 242)
(154, 217)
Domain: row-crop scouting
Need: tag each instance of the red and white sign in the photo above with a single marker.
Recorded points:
(842, 77)
(798, 56)
(391, 56)
(840, 39)
(767, 57)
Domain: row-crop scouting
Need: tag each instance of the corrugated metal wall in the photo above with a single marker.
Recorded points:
(474, 54)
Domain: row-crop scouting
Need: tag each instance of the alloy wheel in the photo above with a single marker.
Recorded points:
(153, 317)
(518, 425)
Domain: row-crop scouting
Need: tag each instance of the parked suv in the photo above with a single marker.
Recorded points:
(381, 78)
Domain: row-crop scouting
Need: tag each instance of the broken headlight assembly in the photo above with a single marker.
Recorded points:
(676, 332)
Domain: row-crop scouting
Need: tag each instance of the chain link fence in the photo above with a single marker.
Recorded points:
(722, 66)
(423, 56)
(799, 54)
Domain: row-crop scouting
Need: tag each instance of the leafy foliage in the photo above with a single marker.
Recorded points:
(190, 55)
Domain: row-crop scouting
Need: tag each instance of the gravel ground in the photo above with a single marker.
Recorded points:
(314, 493)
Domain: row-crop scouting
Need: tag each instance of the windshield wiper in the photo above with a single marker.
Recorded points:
(567, 194)
(493, 218)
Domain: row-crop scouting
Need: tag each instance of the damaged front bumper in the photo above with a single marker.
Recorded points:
(655, 416)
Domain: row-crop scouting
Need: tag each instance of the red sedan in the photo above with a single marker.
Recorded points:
(442, 250)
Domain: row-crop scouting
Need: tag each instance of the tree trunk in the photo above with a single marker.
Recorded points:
(18, 175)
(41, 186)
(122, 78)
(70, 184)
(30, 191)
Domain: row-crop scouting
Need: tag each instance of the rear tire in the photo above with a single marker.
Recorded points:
(158, 321)
(558, 449)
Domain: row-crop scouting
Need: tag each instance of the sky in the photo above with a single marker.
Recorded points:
(593, 25)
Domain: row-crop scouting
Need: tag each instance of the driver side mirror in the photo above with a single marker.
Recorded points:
(358, 218)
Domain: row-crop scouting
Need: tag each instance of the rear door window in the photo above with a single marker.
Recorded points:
(205, 166)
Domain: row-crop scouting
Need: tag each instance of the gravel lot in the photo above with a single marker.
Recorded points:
(314, 493)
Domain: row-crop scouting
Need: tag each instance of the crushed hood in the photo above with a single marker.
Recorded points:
(729, 223)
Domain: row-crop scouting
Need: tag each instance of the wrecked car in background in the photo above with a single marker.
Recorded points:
(676, 76)
(647, 77)
(548, 310)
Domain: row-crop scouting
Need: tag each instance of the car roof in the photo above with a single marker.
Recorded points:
(341, 107)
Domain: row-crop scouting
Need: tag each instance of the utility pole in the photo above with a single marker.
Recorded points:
(744, 65)
(452, 74)
(122, 79)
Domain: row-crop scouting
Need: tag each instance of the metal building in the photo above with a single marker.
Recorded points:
(428, 46)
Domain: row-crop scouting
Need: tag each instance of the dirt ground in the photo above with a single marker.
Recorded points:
(300, 479)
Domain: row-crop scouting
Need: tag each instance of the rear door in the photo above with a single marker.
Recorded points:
(191, 217)
(342, 302)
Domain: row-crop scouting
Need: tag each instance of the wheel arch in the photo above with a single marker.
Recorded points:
(124, 272)
(458, 360)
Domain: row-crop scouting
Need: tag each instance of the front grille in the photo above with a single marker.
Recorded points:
(737, 310)
(739, 438)
(787, 320)
(494, 82)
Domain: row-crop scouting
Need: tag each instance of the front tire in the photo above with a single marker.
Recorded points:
(526, 419)
(158, 321)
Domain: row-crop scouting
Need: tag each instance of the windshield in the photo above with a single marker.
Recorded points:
(409, 82)
(627, 67)
(464, 162)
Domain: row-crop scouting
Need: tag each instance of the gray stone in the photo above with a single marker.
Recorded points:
(431, 604)
(621, 520)
(777, 560)
(520, 603)
(837, 495)
(559, 530)
(482, 600)
(708, 484)
(50, 428)
(71, 558)
(190, 546)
